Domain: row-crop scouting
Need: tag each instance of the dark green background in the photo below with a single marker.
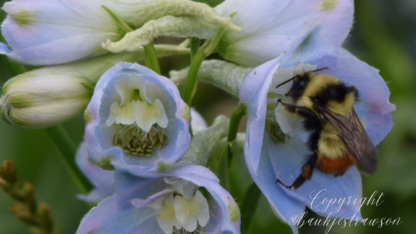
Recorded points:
(384, 36)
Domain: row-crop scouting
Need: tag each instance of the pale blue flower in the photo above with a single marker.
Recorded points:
(270, 26)
(268, 161)
(169, 203)
(48, 32)
(102, 180)
(136, 117)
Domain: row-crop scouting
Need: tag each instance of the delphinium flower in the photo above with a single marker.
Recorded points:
(103, 180)
(136, 116)
(269, 27)
(185, 199)
(276, 146)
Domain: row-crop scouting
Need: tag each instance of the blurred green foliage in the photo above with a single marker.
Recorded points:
(384, 35)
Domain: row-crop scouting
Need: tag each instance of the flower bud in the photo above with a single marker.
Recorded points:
(51, 95)
(48, 32)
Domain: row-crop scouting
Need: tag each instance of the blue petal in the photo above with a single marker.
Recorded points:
(118, 214)
(102, 180)
(287, 160)
(254, 94)
(100, 137)
(201, 177)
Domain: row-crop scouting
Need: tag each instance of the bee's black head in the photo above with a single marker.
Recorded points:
(299, 84)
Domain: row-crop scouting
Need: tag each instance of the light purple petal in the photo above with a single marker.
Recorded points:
(115, 214)
(100, 137)
(127, 210)
(102, 180)
(270, 27)
(254, 94)
(118, 213)
(202, 177)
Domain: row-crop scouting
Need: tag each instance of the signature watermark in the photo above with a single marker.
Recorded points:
(323, 204)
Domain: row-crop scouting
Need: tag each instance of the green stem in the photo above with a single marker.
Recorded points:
(206, 49)
(248, 208)
(238, 113)
(194, 46)
(223, 174)
(65, 145)
(151, 57)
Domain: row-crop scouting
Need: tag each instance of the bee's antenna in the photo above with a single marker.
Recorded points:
(285, 82)
(320, 69)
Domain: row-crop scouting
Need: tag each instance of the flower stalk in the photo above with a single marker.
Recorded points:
(238, 113)
(67, 149)
(152, 61)
(204, 51)
(248, 208)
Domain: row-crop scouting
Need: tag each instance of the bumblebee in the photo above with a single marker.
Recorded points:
(338, 140)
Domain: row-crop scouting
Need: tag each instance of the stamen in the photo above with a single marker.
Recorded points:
(198, 230)
(135, 141)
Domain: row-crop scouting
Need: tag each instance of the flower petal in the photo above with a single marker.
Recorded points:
(102, 180)
(254, 94)
(220, 221)
(115, 215)
(287, 160)
(266, 35)
(48, 32)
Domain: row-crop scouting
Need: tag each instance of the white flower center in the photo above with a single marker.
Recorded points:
(142, 117)
(185, 209)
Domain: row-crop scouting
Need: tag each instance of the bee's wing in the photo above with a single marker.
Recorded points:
(354, 136)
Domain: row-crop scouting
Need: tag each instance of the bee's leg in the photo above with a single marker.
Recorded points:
(306, 174)
(302, 111)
